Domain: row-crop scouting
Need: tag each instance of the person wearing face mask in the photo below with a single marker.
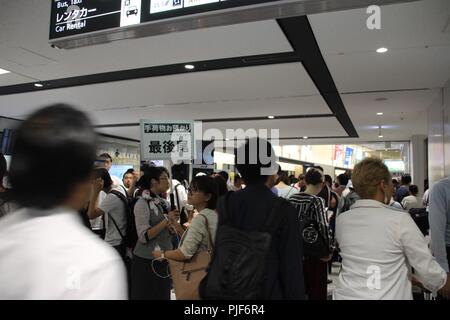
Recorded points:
(379, 244)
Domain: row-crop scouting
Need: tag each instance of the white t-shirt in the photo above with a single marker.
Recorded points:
(410, 202)
(50, 255)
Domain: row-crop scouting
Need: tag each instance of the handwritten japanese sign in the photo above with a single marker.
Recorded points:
(167, 140)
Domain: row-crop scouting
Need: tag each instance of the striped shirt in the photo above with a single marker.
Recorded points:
(317, 211)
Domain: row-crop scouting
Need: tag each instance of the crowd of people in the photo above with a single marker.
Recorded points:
(86, 234)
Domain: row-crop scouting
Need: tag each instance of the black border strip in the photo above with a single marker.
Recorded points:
(156, 71)
(301, 37)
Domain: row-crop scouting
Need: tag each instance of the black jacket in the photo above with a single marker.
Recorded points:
(249, 209)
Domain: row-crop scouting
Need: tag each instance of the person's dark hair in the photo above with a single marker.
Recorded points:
(406, 179)
(413, 189)
(221, 185)
(3, 168)
(105, 155)
(224, 175)
(328, 179)
(104, 175)
(237, 176)
(314, 177)
(57, 139)
(207, 185)
(343, 179)
(252, 165)
(129, 171)
(292, 179)
(319, 168)
(282, 177)
(394, 181)
(145, 182)
(179, 172)
(425, 184)
(164, 169)
(301, 177)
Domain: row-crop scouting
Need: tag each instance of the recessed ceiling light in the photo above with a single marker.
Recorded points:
(227, 139)
(3, 71)
(39, 85)
(189, 66)
(379, 113)
(305, 137)
(271, 117)
(380, 136)
(382, 50)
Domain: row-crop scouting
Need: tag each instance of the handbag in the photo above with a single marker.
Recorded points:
(186, 275)
(315, 244)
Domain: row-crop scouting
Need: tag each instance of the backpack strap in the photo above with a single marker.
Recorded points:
(117, 227)
(121, 197)
(210, 240)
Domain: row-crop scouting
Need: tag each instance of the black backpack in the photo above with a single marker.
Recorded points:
(238, 268)
(420, 217)
(131, 236)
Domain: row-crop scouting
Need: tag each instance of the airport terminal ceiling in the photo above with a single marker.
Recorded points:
(294, 69)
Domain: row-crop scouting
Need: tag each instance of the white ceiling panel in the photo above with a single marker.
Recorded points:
(29, 36)
(272, 81)
(415, 34)
(394, 70)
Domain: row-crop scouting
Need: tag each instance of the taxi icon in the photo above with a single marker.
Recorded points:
(131, 11)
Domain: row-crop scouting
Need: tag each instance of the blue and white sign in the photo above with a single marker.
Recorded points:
(348, 156)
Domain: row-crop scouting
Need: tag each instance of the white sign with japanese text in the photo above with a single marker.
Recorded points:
(167, 140)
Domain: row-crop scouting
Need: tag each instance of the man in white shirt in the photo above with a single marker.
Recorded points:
(411, 201)
(46, 252)
(379, 245)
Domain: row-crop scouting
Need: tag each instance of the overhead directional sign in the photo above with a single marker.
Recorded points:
(75, 17)
(77, 23)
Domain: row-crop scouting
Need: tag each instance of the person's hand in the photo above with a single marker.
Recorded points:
(156, 254)
(445, 291)
(327, 258)
(174, 216)
(417, 283)
(98, 185)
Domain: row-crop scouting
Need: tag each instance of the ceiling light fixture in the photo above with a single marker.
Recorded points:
(271, 117)
(3, 71)
(305, 137)
(382, 50)
(379, 132)
(379, 113)
(189, 67)
(39, 85)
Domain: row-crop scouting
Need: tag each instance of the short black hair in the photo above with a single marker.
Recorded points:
(343, 179)
(413, 189)
(314, 177)
(145, 182)
(57, 138)
(129, 171)
(319, 167)
(105, 155)
(328, 179)
(394, 181)
(104, 175)
(406, 179)
(282, 177)
(207, 185)
(250, 169)
(180, 172)
(221, 185)
(224, 175)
